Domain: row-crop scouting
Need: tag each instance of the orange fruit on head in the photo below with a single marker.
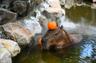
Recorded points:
(52, 25)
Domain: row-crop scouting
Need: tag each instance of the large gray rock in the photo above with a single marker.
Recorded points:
(5, 3)
(50, 11)
(49, 6)
(20, 7)
(32, 24)
(19, 33)
(6, 16)
(23, 31)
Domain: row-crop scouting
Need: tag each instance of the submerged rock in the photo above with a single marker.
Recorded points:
(11, 46)
(6, 16)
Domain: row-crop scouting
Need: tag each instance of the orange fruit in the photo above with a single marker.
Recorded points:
(52, 25)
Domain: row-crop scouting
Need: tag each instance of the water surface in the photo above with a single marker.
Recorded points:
(83, 52)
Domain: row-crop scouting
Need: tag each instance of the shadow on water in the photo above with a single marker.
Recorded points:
(84, 52)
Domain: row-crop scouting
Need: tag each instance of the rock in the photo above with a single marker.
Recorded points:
(6, 16)
(5, 56)
(62, 2)
(35, 2)
(11, 46)
(53, 16)
(5, 3)
(44, 5)
(54, 8)
(52, 2)
(23, 31)
(43, 22)
(69, 3)
(32, 24)
(94, 1)
(78, 1)
(2, 35)
(51, 11)
(19, 33)
(20, 7)
(93, 6)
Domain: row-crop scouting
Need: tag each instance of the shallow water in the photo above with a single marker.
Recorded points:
(84, 52)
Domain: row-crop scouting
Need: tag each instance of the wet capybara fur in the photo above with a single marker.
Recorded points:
(57, 38)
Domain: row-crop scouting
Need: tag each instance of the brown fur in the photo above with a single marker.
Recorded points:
(58, 38)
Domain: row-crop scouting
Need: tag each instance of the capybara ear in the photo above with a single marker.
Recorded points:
(61, 27)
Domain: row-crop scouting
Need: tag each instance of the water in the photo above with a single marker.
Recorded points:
(80, 13)
(84, 52)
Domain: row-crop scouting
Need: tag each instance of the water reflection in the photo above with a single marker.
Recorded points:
(77, 13)
(87, 50)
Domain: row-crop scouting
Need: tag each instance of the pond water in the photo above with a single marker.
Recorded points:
(83, 52)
